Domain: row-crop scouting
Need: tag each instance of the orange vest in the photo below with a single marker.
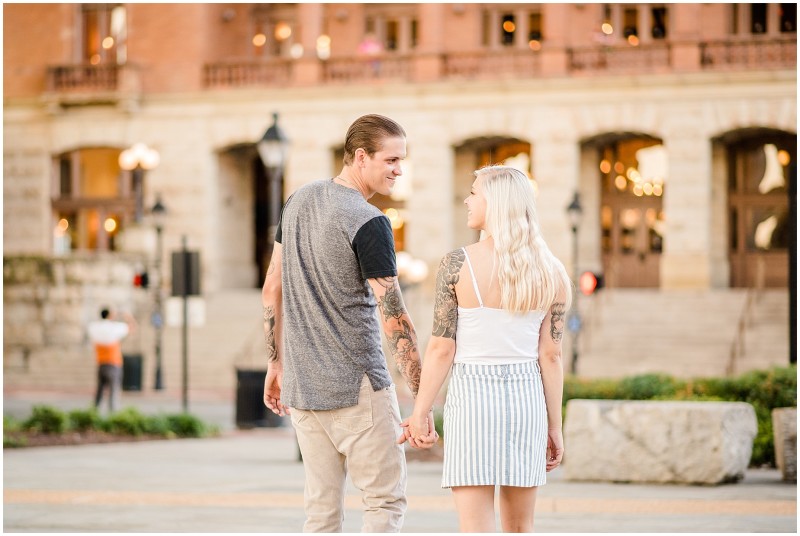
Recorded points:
(109, 354)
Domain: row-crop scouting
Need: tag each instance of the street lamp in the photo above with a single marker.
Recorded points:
(158, 214)
(574, 215)
(138, 159)
(273, 149)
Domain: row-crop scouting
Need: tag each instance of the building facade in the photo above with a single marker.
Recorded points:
(675, 124)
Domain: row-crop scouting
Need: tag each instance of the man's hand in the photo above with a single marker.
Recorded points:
(412, 432)
(272, 392)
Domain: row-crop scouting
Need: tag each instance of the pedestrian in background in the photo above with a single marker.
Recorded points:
(106, 336)
(498, 323)
(333, 265)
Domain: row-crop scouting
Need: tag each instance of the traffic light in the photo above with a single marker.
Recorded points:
(589, 282)
(141, 280)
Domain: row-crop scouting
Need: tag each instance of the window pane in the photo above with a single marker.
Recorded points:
(99, 173)
(507, 30)
(788, 18)
(659, 30)
(758, 18)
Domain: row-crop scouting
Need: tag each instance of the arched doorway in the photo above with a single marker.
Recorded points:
(476, 153)
(632, 172)
(243, 230)
(761, 186)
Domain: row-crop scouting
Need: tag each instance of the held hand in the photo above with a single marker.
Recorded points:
(272, 392)
(419, 432)
(555, 448)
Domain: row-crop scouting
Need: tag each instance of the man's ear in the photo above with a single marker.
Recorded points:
(360, 156)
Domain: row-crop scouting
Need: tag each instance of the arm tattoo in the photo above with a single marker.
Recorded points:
(445, 309)
(403, 343)
(557, 322)
(269, 333)
(391, 303)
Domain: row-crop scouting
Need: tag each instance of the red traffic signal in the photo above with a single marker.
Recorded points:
(589, 282)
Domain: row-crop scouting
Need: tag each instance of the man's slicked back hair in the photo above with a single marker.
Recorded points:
(368, 132)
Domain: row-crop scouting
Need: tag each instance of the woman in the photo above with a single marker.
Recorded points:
(498, 321)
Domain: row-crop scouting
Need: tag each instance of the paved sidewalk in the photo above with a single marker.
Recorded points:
(248, 481)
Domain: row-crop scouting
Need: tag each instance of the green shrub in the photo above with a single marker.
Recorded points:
(186, 425)
(648, 386)
(82, 420)
(127, 422)
(47, 420)
(157, 425)
(10, 424)
(13, 442)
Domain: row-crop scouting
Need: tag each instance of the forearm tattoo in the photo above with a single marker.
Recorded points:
(269, 333)
(445, 309)
(403, 344)
(557, 322)
(391, 303)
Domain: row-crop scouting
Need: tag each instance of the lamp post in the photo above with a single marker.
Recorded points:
(273, 148)
(158, 214)
(138, 159)
(574, 215)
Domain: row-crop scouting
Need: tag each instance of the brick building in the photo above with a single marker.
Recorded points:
(676, 124)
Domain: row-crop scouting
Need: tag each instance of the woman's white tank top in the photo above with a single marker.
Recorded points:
(487, 336)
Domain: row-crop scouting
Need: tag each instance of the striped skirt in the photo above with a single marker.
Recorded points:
(495, 426)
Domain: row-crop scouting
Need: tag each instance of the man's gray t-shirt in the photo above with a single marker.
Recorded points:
(333, 241)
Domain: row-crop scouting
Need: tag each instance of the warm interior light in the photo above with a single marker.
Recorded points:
(620, 182)
(607, 28)
(323, 41)
(509, 26)
(633, 40)
(282, 31)
(535, 44)
(259, 39)
(296, 51)
(647, 188)
(63, 225)
(658, 189)
(784, 158)
(638, 191)
(95, 59)
(605, 166)
(619, 167)
(110, 225)
(108, 42)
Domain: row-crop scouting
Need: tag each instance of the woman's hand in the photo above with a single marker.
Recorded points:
(555, 448)
(419, 430)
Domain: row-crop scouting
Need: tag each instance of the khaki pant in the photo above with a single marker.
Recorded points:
(360, 440)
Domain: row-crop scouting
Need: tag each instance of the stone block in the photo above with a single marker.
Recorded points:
(655, 441)
(784, 430)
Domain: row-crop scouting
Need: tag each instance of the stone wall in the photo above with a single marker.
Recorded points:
(47, 304)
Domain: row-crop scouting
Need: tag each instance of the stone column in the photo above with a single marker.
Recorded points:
(522, 22)
(644, 23)
(685, 30)
(308, 69)
(554, 35)
(428, 59)
(686, 260)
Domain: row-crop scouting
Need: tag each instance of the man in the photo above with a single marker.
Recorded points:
(106, 334)
(332, 266)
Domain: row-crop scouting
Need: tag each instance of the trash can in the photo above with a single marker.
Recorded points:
(250, 409)
(131, 372)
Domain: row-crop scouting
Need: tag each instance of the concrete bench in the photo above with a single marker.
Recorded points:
(784, 430)
(658, 441)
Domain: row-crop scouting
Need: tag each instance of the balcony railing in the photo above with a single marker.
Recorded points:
(244, 73)
(365, 69)
(751, 54)
(83, 83)
(83, 77)
(485, 64)
(620, 59)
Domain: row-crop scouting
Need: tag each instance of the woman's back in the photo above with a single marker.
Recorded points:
(486, 333)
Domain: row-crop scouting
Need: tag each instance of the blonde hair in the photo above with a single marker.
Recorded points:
(530, 276)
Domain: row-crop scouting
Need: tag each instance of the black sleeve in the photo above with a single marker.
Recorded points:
(279, 230)
(374, 248)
